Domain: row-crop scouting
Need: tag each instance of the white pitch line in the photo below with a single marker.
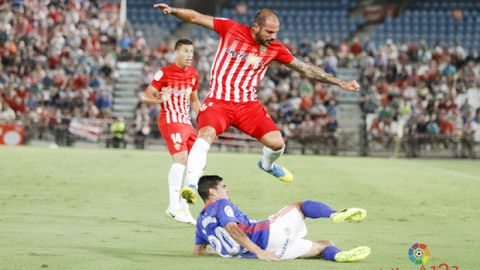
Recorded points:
(457, 173)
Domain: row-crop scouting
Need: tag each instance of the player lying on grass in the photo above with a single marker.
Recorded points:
(232, 234)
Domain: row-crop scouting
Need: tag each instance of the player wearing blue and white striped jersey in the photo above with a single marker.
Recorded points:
(231, 233)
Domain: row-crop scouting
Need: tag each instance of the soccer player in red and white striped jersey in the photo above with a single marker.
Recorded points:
(174, 87)
(241, 61)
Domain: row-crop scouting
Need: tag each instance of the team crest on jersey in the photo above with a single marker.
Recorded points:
(254, 60)
(263, 49)
(177, 146)
(228, 211)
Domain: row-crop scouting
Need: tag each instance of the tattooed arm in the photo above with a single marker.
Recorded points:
(315, 73)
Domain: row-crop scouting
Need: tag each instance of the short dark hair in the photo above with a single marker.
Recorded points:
(181, 42)
(207, 182)
(262, 15)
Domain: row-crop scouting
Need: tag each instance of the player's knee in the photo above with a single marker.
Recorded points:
(326, 243)
(180, 158)
(276, 144)
(207, 133)
(298, 205)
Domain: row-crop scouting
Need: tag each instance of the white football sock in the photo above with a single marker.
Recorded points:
(269, 156)
(184, 205)
(175, 176)
(197, 160)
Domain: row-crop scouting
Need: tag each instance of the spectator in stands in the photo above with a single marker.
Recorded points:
(468, 139)
(331, 137)
(55, 58)
(142, 125)
(55, 48)
(7, 115)
(331, 62)
(477, 116)
(307, 128)
(118, 130)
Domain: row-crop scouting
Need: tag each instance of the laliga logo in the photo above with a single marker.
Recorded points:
(418, 253)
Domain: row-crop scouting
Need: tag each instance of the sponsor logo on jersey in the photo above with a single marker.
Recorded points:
(176, 92)
(208, 220)
(252, 59)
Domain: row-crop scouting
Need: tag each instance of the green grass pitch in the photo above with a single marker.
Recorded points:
(104, 209)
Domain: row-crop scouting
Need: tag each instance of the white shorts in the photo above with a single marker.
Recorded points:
(287, 230)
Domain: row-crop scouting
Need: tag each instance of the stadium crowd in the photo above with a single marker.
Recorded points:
(431, 92)
(58, 62)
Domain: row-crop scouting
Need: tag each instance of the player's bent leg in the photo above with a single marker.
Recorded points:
(197, 160)
(272, 150)
(353, 255)
(316, 209)
(252, 118)
(348, 215)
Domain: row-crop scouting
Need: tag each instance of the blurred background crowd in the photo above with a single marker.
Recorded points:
(59, 62)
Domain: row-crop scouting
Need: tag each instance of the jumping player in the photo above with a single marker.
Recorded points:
(241, 61)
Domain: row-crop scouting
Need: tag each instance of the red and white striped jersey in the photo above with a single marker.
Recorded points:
(240, 62)
(178, 84)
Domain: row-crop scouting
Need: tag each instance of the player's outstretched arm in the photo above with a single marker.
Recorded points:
(187, 15)
(315, 73)
(241, 238)
(152, 96)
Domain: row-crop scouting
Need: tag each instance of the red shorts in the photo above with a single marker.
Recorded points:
(249, 117)
(178, 136)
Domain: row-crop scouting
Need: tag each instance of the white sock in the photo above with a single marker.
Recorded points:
(197, 160)
(174, 184)
(184, 205)
(269, 156)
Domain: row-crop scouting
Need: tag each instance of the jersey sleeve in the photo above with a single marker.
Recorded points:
(222, 25)
(199, 240)
(158, 79)
(226, 212)
(284, 56)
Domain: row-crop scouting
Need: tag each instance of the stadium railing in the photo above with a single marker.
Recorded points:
(410, 146)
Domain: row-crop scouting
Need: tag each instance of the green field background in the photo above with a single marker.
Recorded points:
(104, 209)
